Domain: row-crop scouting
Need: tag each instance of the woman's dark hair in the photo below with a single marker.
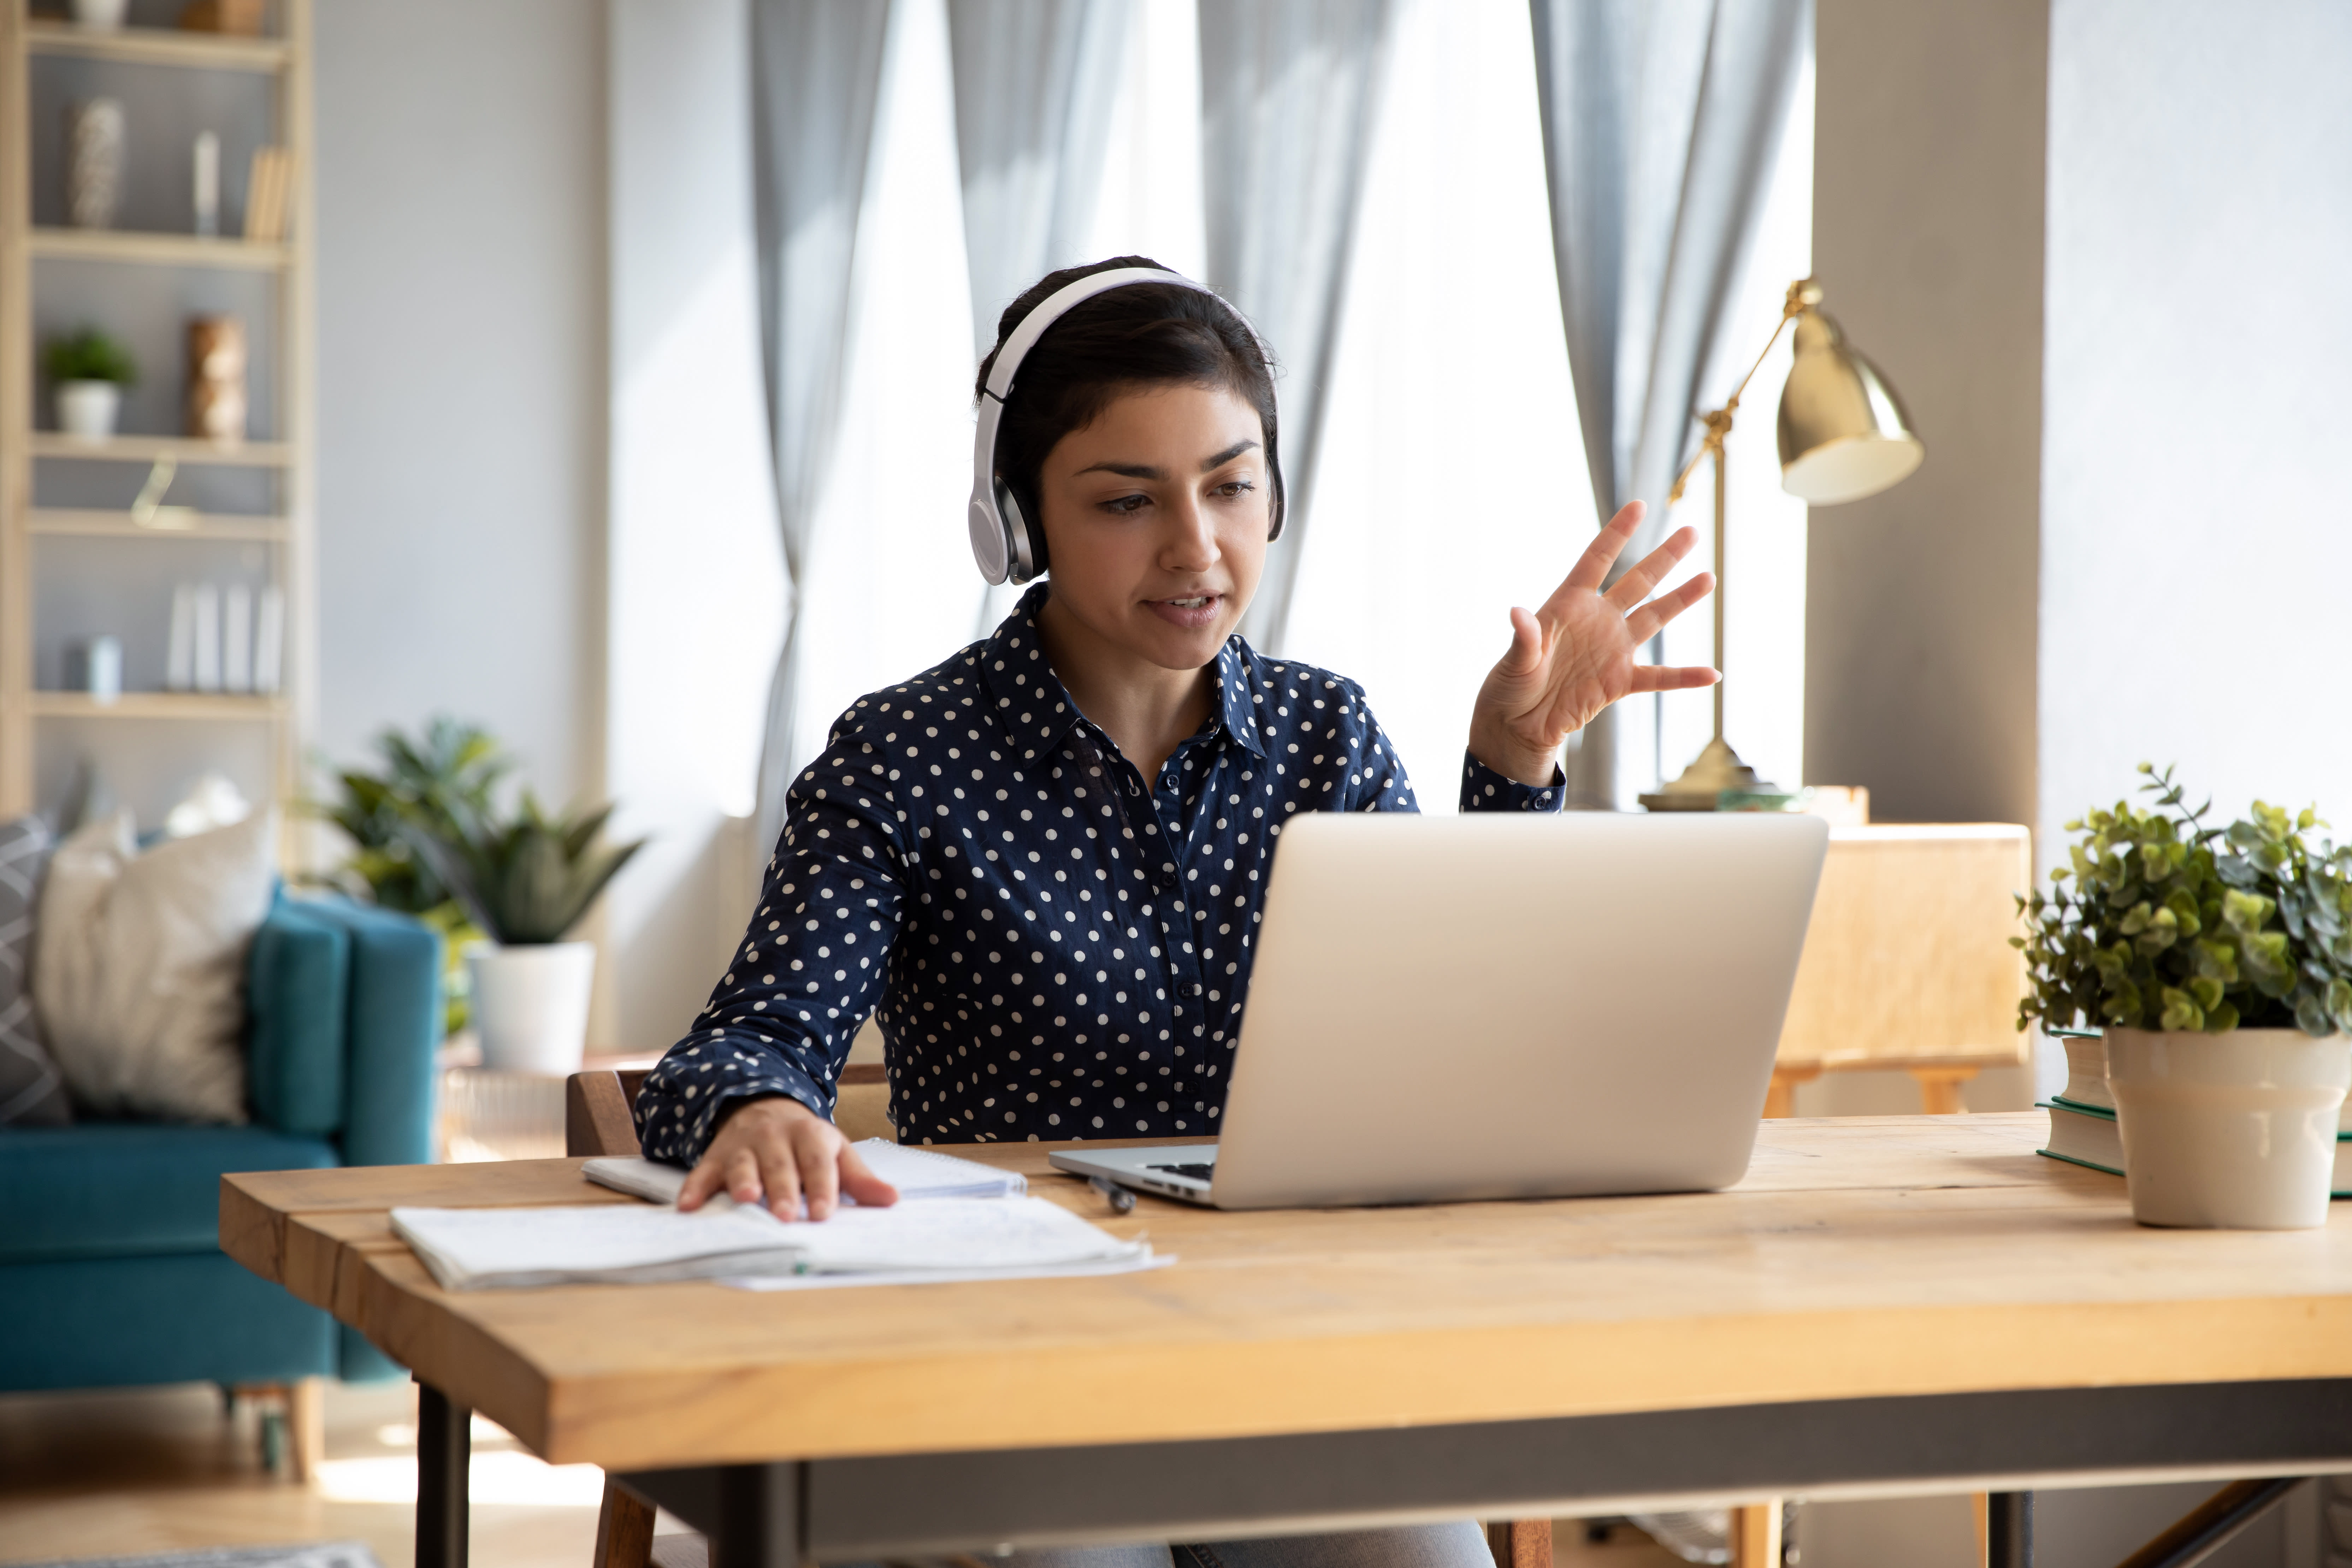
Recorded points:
(1144, 334)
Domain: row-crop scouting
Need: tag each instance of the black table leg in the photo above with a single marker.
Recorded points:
(2205, 1528)
(2008, 1529)
(759, 1522)
(444, 1446)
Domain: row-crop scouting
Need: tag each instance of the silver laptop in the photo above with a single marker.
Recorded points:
(1448, 1008)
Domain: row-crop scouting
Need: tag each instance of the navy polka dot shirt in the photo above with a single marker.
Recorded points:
(1058, 947)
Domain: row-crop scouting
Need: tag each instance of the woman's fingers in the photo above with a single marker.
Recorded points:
(817, 1151)
(780, 1176)
(1591, 568)
(1672, 676)
(870, 1190)
(708, 1176)
(1634, 586)
(1647, 621)
(1524, 655)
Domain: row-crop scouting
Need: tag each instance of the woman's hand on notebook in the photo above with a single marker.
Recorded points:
(780, 1149)
(1575, 655)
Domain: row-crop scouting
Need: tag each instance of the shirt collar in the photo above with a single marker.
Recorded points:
(1035, 709)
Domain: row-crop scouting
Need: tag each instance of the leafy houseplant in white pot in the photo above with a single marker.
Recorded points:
(526, 883)
(87, 372)
(2219, 964)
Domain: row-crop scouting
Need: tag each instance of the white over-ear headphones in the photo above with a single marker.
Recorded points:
(1008, 546)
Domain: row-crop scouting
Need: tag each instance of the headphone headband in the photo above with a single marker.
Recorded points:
(1007, 546)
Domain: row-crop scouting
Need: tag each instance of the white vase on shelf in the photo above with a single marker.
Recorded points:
(87, 410)
(530, 1005)
(2232, 1132)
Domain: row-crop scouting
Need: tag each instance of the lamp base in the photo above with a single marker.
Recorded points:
(1716, 769)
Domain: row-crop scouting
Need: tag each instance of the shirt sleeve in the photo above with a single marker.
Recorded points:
(1483, 789)
(1381, 784)
(810, 969)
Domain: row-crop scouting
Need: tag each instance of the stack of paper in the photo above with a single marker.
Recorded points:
(482, 1249)
(916, 1172)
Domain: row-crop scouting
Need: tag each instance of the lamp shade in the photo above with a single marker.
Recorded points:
(1844, 434)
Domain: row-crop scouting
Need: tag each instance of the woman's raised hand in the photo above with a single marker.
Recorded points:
(1575, 655)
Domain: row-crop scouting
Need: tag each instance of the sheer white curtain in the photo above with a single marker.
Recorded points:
(899, 591)
(1764, 603)
(897, 588)
(816, 73)
(1289, 94)
(1659, 118)
(1453, 483)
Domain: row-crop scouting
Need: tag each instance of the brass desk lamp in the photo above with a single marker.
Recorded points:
(1844, 436)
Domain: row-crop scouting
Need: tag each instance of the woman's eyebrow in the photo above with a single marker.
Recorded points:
(1145, 471)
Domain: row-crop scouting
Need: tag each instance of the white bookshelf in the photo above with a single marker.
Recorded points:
(50, 527)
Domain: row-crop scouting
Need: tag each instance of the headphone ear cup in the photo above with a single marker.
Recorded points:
(1281, 497)
(1025, 545)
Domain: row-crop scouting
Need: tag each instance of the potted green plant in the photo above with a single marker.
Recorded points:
(527, 882)
(450, 767)
(89, 371)
(2218, 965)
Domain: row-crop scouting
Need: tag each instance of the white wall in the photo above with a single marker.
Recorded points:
(698, 592)
(461, 374)
(1927, 239)
(2193, 542)
(1919, 610)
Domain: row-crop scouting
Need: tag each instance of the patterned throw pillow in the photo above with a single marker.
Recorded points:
(140, 971)
(32, 1094)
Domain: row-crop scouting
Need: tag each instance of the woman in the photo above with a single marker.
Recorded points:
(1040, 862)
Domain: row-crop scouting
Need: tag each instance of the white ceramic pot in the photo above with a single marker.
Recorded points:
(86, 409)
(2235, 1130)
(104, 15)
(530, 1005)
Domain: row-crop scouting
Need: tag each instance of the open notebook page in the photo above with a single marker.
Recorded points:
(469, 1250)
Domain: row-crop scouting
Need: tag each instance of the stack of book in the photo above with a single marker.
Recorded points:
(2083, 1130)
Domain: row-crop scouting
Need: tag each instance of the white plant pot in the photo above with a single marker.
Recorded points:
(104, 16)
(86, 409)
(530, 1005)
(2234, 1132)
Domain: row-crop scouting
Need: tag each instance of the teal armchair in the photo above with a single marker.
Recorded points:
(110, 1268)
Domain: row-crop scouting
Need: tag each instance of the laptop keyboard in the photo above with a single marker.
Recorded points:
(1201, 1172)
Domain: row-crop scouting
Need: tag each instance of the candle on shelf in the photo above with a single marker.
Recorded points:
(207, 185)
(104, 670)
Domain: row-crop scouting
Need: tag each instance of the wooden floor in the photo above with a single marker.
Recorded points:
(119, 1473)
(149, 1470)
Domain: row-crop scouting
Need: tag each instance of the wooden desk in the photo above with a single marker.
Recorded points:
(1885, 1305)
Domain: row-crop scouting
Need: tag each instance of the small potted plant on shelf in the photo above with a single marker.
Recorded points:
(2218, 964)
(89, 371)
(526, 883)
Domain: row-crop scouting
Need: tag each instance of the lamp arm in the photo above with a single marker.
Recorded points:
(1801, 294)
